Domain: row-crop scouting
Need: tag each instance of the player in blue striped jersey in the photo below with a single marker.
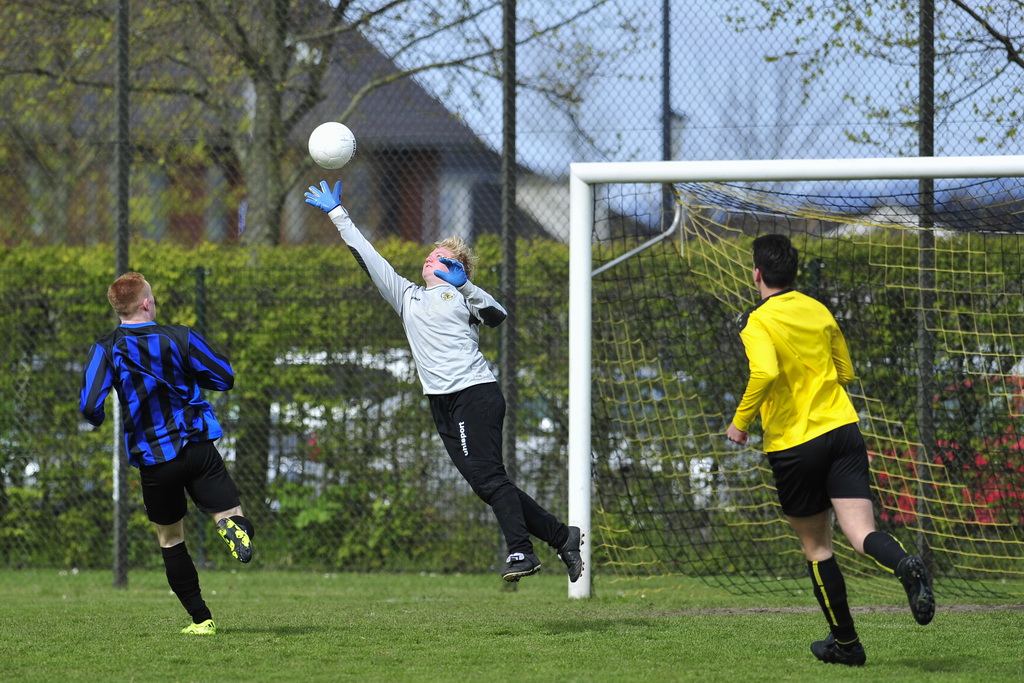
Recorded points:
(169, 430)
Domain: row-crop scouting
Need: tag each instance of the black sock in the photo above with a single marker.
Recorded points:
(184, 581)
(830, 590)
(884, 549)
(245, 524)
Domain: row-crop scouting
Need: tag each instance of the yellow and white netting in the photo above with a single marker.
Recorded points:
(931, 301)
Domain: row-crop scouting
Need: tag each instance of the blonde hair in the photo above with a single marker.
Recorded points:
(461, 252)
(125, 294)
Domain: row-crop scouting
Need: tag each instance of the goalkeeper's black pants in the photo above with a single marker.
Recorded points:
(469, 423)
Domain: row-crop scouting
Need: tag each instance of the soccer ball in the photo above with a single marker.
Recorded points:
(332, 144)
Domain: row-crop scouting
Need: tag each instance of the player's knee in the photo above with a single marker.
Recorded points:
(487, 487)
(169, 539)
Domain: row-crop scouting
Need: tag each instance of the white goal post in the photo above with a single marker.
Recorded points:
(582, 180)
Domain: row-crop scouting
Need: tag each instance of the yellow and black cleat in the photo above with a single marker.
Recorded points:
(236, 538)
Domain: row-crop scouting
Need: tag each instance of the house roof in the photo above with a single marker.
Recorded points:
(399, 114)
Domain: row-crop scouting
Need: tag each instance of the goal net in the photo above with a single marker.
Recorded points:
(922, 263)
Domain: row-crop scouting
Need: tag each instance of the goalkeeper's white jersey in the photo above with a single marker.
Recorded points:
(442, 323)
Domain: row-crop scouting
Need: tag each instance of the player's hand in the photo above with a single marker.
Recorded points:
(456, 274)
(324, 198)
(736, 434)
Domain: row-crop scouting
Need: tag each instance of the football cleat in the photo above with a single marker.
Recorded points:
(918, 583)
(831, 652)
(205, 628)
(518, 565)
(236, 538)
(569, 553)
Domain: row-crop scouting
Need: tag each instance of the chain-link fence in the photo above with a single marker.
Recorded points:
(327, 432)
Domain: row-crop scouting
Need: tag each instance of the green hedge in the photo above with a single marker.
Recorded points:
(331, 441)
(305, 329)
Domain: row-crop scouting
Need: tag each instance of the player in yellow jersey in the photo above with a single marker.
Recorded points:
(799, 366)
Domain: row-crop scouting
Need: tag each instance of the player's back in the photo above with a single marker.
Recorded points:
(158, 390)
(811, 363)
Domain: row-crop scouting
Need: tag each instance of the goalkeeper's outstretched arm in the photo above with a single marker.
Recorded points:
(389, 283)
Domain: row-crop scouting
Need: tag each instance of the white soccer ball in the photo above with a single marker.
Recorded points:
(332, 144)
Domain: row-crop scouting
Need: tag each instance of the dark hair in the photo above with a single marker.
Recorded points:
(776, 258)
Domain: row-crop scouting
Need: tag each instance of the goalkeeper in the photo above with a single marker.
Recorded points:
(441, 322)
(799, 365)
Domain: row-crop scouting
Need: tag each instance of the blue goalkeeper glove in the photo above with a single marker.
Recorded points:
(456, 275)
(324, 198)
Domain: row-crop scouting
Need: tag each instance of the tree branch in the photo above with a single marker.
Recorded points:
(1012, 54)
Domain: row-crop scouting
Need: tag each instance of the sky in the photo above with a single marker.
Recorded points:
(730, 101)
(733, 104)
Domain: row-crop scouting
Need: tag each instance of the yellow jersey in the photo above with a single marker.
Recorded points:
(799, 363)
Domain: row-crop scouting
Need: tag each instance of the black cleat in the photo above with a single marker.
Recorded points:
(569, 553)
(519, 565)
(831, 652)
(918, 583)
(236, 538)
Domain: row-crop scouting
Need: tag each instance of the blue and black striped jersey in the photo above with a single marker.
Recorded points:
(158, 371)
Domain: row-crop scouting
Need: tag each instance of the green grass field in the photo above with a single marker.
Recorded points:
(62, 626)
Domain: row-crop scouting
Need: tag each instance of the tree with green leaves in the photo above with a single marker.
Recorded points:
(979, 62)
(222, 92)
(237, 80)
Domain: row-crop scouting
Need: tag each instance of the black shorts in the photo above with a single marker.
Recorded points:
(198, 469)
(833, 465)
